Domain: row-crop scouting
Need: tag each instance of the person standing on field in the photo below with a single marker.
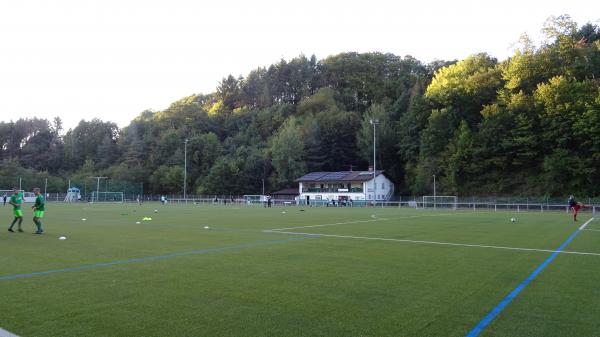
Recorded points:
(38, 210)
(16, 200)
(4, 198)
(575, 206)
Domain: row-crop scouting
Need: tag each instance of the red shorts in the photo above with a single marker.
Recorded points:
(576, 207)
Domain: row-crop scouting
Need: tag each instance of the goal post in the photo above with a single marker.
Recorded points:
(251, 199)
(107, 197)
(440, 201)
(27, 196)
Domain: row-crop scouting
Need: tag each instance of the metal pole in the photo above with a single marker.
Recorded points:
(434, 198)
(374, 122)
(98, 186)
(45, 187)
(263, 186)
(185, 170)
(374, 164)
(20, 184)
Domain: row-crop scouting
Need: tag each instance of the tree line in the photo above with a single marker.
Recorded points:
(528, 125)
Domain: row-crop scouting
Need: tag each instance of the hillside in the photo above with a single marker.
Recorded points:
(527, 125)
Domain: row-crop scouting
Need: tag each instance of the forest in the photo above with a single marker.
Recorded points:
(527, 125)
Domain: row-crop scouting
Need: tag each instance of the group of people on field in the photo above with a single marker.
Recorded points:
(16, 200)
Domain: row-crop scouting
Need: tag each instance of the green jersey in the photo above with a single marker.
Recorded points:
(39, 203)
(16, 200)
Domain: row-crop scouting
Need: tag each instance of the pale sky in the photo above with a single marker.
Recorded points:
(112, 59)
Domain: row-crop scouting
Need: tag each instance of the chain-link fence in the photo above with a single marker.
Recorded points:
(55, 189)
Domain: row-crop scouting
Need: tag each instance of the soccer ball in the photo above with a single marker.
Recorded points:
(137, 222)
(205, 227)
(155, 211)
(83, 219)
(62, 238)
(513, 220)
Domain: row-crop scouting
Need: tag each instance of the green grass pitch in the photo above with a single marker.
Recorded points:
(372, 272)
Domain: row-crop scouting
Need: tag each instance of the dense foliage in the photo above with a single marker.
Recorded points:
(527, 125)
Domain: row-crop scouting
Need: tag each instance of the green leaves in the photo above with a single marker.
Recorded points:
(287, 153)
(529, 124)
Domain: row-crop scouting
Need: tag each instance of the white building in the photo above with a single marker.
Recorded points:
(345, 185)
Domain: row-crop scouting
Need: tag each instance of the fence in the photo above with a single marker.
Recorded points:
(515, 204)
(414, 204)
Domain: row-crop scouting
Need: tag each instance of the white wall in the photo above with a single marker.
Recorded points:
(384, 186)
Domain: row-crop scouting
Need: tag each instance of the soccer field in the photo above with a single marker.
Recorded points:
(306, 272)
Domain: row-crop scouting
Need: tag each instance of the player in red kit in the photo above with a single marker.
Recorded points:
(575, 206)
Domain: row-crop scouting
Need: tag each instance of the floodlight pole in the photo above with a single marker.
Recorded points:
(263, 185)
(98, 186)
(185, 170)
(434, 198)
(374, 122)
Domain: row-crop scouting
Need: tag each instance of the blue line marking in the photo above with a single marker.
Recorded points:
(498, 309)
(151, 258)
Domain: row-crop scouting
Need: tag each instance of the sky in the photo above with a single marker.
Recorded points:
(112, 59)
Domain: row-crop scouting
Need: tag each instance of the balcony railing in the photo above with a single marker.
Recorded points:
(332, 190)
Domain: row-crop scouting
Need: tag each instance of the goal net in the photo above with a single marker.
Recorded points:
(107, 197)
(27, 196)
(440, 201)
(254, 199)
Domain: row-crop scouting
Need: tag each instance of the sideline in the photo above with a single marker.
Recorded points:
(511, 296)
(232, 248)
(4, 333)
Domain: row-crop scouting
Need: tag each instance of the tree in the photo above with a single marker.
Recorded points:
(287, 153)
(466, 87)
(167, 179)
(457, 176)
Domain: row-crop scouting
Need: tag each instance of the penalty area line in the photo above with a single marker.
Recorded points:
(437, 243)
(374, 219)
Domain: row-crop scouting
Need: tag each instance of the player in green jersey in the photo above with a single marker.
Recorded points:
(38, 210)
(16, 199)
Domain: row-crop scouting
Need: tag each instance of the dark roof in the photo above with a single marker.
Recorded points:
(339, 176)
(287, 191)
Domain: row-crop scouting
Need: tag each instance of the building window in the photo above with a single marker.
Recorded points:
(383, 186)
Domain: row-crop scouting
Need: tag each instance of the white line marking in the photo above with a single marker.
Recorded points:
(592, 230)
(436, 243)
(585, 224)
(4, 333)
(327, 224)
(361, 221)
